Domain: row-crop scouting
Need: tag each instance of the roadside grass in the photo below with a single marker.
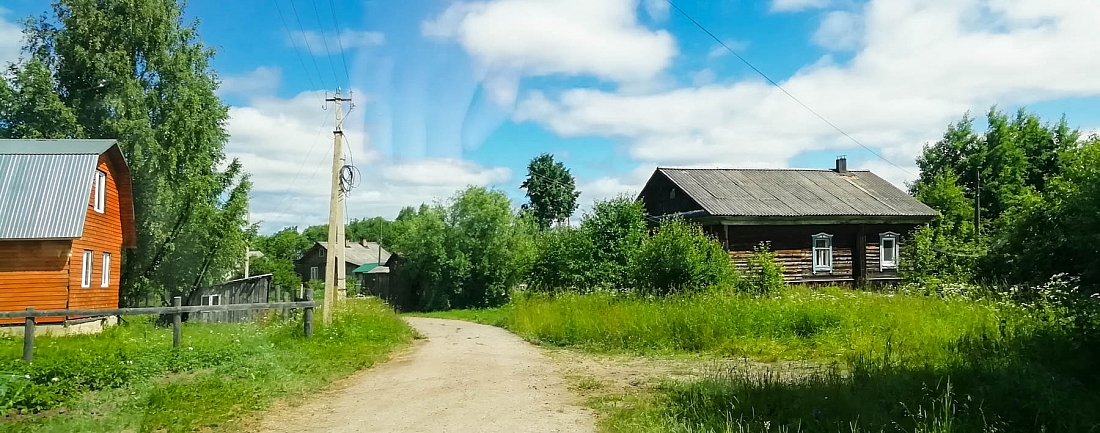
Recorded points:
(890, 362)
(487, 316)
(130, 378)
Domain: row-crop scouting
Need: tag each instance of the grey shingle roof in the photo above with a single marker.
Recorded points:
(794, 193)
(45, 186)
(358, 254)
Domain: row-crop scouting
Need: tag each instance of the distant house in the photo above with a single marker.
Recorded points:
(825, 226)
(66, 213)
(364, 263)
(249, 290)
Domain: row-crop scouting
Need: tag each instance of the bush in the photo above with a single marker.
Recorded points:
(615, 229)
(765, 274)
(563, 261)
(680, 258)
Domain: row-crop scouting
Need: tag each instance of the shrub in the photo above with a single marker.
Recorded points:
(680, 258)
(765, 274)
(615, 229)
(563, 261)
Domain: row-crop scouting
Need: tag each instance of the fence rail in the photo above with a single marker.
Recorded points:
(176, 310)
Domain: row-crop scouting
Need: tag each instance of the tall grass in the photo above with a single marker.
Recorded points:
(827, 324)
(131, 378)
(891, 361)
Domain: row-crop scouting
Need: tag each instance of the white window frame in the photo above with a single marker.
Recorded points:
(99, 191)
(208, 300)
(314, 273)
(822, 267)
(882, 262)
(86, 269)
(105, 277)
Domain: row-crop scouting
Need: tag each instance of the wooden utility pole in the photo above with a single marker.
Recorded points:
(335, 270)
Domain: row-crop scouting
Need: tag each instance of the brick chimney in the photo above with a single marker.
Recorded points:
(842, 164)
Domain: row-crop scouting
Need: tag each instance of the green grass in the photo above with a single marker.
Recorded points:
(823, 325)
(130, 378)
(486, 316)
(890, 362)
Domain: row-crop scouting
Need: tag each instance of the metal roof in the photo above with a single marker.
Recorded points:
(358, 254)
(45, 196)
(794, 193)
(55, 147)
(45, 186)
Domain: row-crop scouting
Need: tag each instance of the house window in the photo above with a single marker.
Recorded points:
(823, 252)
(86, 269)
(313, 273)
(99, 189)
(211, 300)
(105, 279)
(888, 251)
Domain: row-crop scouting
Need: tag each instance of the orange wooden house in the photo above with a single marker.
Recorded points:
(66, 213)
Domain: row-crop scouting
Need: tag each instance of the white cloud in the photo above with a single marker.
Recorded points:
(11, 39)
(543, 37)
(322, 44)
(286, 146)
(920, 65)
(839, 30)
(720, 51)
(656, 9)
(797, 5)
(703, 77)
(263, 81)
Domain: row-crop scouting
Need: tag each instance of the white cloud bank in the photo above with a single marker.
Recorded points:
(11, 38)
(919, 65)
(286, 146)
(540, 37)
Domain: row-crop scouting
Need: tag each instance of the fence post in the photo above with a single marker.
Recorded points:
(176, 331)
(307, 315)
(28, 337)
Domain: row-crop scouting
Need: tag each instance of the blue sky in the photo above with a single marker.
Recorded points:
(451, 93)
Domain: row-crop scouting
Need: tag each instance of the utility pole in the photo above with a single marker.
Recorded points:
(336, 270)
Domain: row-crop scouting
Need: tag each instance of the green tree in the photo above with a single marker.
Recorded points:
(469, 253)
(551, 190)
(317, 233)
(680, 258)
(615, 229)
(151, 87)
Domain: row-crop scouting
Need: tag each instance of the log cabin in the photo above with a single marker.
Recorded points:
(66, 213)
(832, 226)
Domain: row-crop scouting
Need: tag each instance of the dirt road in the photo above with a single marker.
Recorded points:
(463, 377)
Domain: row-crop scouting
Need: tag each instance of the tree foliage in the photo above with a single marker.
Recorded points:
(1033, 186)
(90, 72)
(468, 253)
(680, 258)
(551, 190)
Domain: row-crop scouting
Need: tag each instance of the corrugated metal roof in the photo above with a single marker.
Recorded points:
(44, 196)
(55, 147)
(794, 193)
(357, 254)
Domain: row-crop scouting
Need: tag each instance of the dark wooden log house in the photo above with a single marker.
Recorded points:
(834, 226)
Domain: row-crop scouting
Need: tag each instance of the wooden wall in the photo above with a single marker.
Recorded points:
(102, 234)
(793, 247)
(34, 274)
(253, 290)
(657, 200)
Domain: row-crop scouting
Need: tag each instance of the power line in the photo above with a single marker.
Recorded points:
(310, 152)
(295, 45)
(305, 39)
(339, 40)
(324, 39)
(774, 83)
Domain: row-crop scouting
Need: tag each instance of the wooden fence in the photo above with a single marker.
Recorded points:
(176, 310)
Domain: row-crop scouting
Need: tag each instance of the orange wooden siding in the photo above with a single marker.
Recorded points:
(34, 274)
(102, 234)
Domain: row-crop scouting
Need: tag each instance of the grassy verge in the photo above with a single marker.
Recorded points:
(900, 363)
(487, 316)
(129, 378)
